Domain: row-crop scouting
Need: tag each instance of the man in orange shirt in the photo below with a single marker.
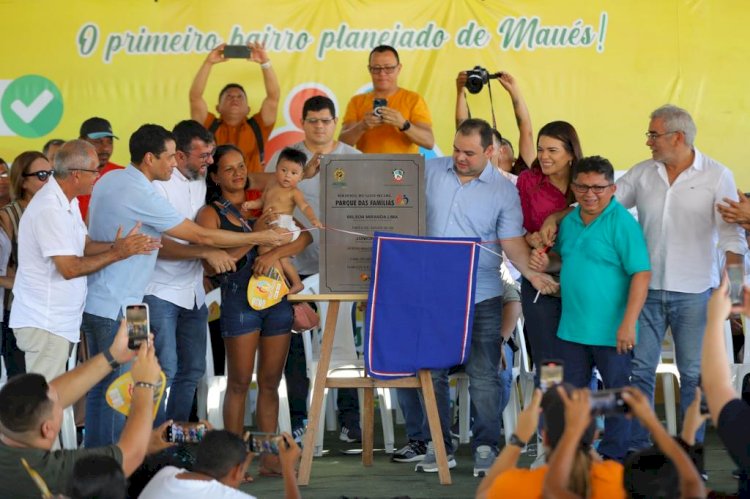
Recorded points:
(401, 125)
(97, 132)
(233, 126)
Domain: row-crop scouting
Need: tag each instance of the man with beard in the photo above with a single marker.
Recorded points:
(175, 295)
(98, 133)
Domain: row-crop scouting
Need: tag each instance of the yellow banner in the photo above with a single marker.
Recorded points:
(602, 65)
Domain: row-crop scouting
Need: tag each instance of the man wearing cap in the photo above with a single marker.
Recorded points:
(97, 132)
(233, 126)
(54, 256)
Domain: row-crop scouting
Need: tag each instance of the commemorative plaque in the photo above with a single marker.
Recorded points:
(361, 194)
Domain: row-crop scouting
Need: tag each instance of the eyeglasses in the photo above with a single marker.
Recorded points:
(204, 156)
(83, 170)
(654, 135)
(382, 69)
(583, 189)
(42, 175)
(315, 121)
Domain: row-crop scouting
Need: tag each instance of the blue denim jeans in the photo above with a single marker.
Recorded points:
(685, 313)
(103, 424)
(579, 360)
(408, 400)
(180, 343)
(483, 368)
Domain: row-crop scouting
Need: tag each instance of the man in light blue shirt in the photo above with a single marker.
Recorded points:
(467, 197)
(121, 199)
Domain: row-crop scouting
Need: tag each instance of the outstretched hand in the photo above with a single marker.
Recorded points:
(577, 409)
(216, 55)
(528, 420)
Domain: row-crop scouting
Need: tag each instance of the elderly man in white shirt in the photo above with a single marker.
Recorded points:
(675, 193)
(175, 295)
(54, 256)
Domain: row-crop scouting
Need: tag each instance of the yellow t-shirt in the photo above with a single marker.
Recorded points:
(522, 483)
(387, 138)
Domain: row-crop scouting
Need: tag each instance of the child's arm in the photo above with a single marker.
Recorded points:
(255, 204)
(301, 202)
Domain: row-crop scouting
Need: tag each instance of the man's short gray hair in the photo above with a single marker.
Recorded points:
(73, 154)
(677, 119)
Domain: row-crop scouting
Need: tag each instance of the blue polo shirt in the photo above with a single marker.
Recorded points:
(486, 207)
(122, 198)
(598, 261)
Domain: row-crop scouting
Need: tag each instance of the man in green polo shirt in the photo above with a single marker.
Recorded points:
(604, 282)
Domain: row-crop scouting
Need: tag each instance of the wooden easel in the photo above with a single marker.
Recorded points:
(423, 380)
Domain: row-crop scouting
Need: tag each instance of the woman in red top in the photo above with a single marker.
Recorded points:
(544, 189)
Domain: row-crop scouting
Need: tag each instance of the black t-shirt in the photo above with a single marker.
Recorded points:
(735, 435)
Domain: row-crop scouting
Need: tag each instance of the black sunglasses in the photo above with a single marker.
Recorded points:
(42, 175)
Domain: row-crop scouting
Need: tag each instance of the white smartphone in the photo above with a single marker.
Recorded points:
(138, 320)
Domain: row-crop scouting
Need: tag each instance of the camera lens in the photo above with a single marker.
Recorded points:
(474, 83)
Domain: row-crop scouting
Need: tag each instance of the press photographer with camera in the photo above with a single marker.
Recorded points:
(504, 158)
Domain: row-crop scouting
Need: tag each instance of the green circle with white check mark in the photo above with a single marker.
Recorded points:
(31, 106)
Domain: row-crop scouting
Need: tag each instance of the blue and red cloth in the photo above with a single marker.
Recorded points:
(421, 304)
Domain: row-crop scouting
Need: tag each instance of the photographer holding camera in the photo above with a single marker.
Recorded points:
(588, 474)
(663, 472)
(504, 158)
(389, 119)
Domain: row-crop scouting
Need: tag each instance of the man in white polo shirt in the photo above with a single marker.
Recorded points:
(175, 295)
(55, 253)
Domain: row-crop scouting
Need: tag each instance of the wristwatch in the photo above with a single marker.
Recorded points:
(110, 360)
(514, 440)
(406, 126)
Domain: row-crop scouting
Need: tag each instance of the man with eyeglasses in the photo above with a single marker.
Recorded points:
(97, 132)
(319, 123)
(175, 295)
(598, 327)
(55, 254)
(676, 192)
(401, 125)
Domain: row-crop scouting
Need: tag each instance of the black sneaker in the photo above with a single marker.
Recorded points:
(412, 452)
(350, 435)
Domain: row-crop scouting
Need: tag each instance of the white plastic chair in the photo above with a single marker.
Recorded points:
(212, 388)
(522, 381)
(68, 434)
(738, 371)
(344, 361)
(667, 369)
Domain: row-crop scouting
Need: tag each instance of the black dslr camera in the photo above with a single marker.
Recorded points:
(477, 78)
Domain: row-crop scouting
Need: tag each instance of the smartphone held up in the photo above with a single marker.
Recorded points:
(550, 374)
(137, 320)
(736, 276)
(237, 52)
(377, 104)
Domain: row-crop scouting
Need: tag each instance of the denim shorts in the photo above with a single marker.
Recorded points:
(238, 318)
